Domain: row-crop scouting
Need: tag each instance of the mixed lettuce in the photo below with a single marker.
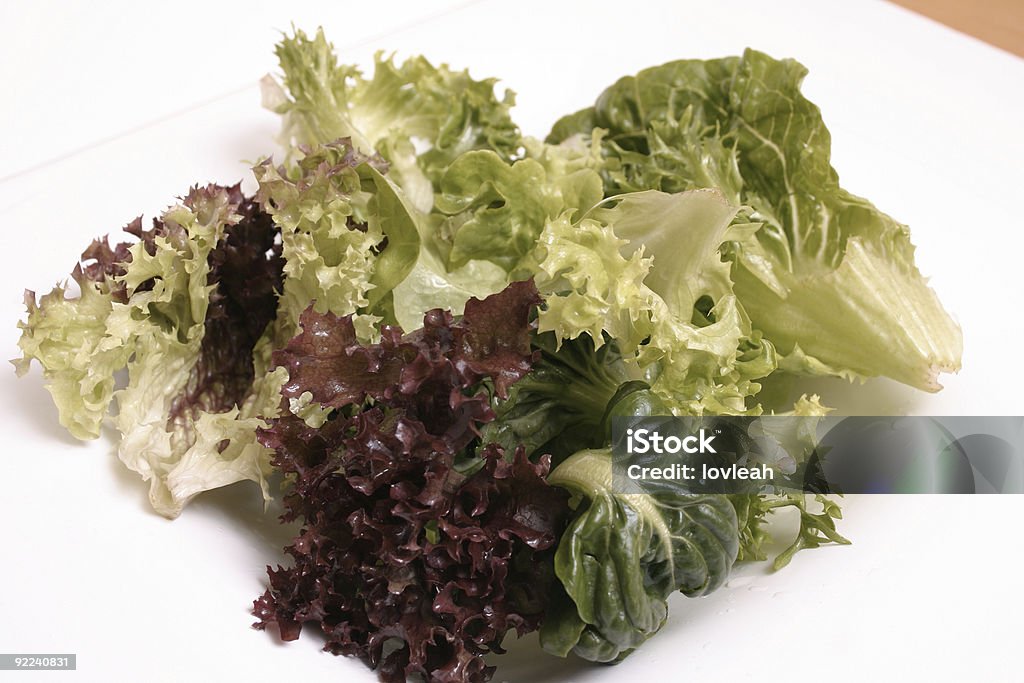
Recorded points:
(423, 323)
(187, 309)
(195, 307)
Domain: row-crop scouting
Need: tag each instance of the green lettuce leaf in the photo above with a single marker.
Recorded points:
(349, 237)
(432, 284)
(562, 405)
(621, 273)
(498, 209)
(487, 217)
(798, 438)
(828, 278)
(197, 387)
(590, 287)
(815, 529)
(68, 336)
(495, 210)
(417, 116)
(624, 554)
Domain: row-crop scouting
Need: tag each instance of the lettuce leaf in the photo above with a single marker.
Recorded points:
(67, 334)
(560, 407)
(415, 565)
(417, 116)
(619, 273)
(196, 306)
(498, 208)
(828, 278)
(624, 554)
(495, 210)
(430, 284)
(348, 236)
(185, 309)
(421, 119)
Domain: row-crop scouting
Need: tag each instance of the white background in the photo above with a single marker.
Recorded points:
(111, 111)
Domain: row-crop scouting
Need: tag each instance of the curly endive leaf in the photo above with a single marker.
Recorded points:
(348, 237)
(621, 272)
(202, 290)
(816, 528)
(68, 336)
(417, 116)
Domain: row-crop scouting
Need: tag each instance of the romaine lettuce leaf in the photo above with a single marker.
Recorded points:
(828, 278)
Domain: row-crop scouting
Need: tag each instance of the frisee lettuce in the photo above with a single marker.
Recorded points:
(618, 273)
(187, 310)
(420, 117)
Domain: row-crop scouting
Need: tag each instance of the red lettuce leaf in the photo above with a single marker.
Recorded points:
(424, 372)
(493, 339)
(398, 546)
(248, 271)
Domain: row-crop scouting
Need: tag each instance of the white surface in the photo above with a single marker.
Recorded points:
(137, 103)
